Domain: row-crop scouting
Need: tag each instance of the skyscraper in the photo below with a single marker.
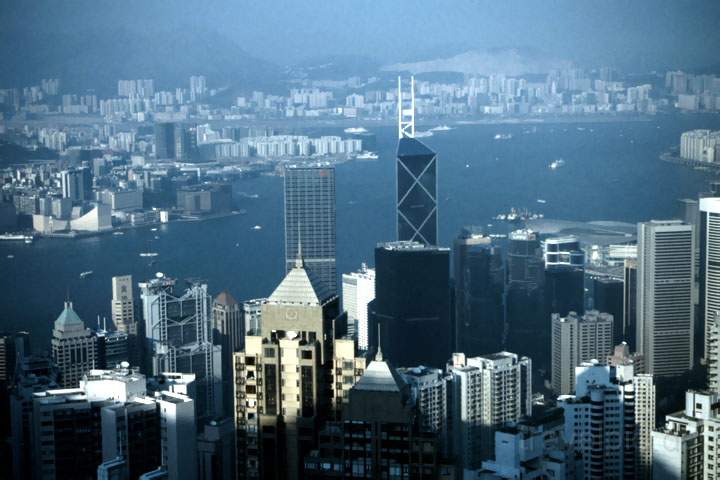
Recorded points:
(74, 347)
(564, 275)
(282, 390)
(416, 170)
(310, 222)
(709, 264)
(504, 379)
(229, 333)
(123, 306)
(358, 290)
(478, 273)
(73, 186)
(608, 298)
(412, 303)
(576, 340)
(630, 303)
(164, 141)
(665, 303)
(609, 420)
(178, 338)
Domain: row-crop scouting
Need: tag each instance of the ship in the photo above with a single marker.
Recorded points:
(557, 164)
(502, 136)
(16, 237)
(426, 133)
(86, 274)
(367, 156)
(355, 130)
(118, 233)
(257, 227)
(441, 128)
(148, 254)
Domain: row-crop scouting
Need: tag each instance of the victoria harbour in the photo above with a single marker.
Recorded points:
(611, 172)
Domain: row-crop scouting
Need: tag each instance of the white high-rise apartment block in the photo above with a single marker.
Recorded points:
(699, 145)
(575, 340)
(123, 306)
(487, 392)
(358, 289)
(665, 296)
(612, 444)
(680, 450)
(710, 271)
(428, 388)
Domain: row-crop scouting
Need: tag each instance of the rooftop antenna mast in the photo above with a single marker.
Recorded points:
(406, 110)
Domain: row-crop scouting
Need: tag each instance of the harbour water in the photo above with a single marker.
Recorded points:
(611, 172)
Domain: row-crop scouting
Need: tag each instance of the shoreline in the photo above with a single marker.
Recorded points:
(671, 157)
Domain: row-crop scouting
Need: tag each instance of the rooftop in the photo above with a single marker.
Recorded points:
(412, 147)
(379, 377)
(300, 287)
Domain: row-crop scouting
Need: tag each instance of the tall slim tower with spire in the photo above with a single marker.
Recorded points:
(416, 169)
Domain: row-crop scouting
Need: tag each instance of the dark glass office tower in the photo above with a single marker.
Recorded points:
(564, 276)
(478, 273)
(527, 330)
(310, 221)
(630, 303)
(164, 140)
(416, 192)
(412, 303)
(608, 298)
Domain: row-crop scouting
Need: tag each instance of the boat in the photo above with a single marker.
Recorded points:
(153, 229)
(441, 128)
(157, 238)
(86, 274)
(367, 156)
(118, 233)
(540, 200)
(467, 165)
(422, 134)
(257, 227)
(355, 130)
(502, 136)
(11, 256)
(149, 254)
(557, 164)
(16, 237)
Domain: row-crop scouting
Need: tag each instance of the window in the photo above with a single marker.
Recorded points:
(270, 352)
(307, 354)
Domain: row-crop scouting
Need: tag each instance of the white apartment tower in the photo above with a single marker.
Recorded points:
(74, 347)
(709, 268)
(358, 289)
(487, 392)
(665, 296)
(609, 421)
(577, 339)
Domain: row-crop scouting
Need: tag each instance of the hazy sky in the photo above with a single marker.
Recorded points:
(645, 33)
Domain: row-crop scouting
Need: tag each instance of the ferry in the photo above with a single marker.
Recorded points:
(426, 133)
(367, 156)
(149, 254)
(502, 136)
(540, 200)
(355, 130)
(257, 227)
(86, 274)
(557, 164)
(16, 237)
(441, 128)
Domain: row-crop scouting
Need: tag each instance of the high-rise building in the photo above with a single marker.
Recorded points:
(282, 390)
(630, 294)
(665, 296)
(74, 347)
(622, 355)
(608, 297)
(417, 213)
(347, 370)
(577, 339)
(198, 87)
(412, 303)
(564, 275)
(252, 314)
(478, 273)
(429, 389)
(310, 222)
(113, 348)
(164, 141)
(73, 186)
(709, 264)
(122, 305)
(379, 436)
(487, 392)
(679, 450)
(178, 336)
(534, 447)
(216, 450)
(229, 333)
(358, 290)
(609, 420)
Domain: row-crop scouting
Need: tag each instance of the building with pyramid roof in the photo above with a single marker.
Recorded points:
(74, 347)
